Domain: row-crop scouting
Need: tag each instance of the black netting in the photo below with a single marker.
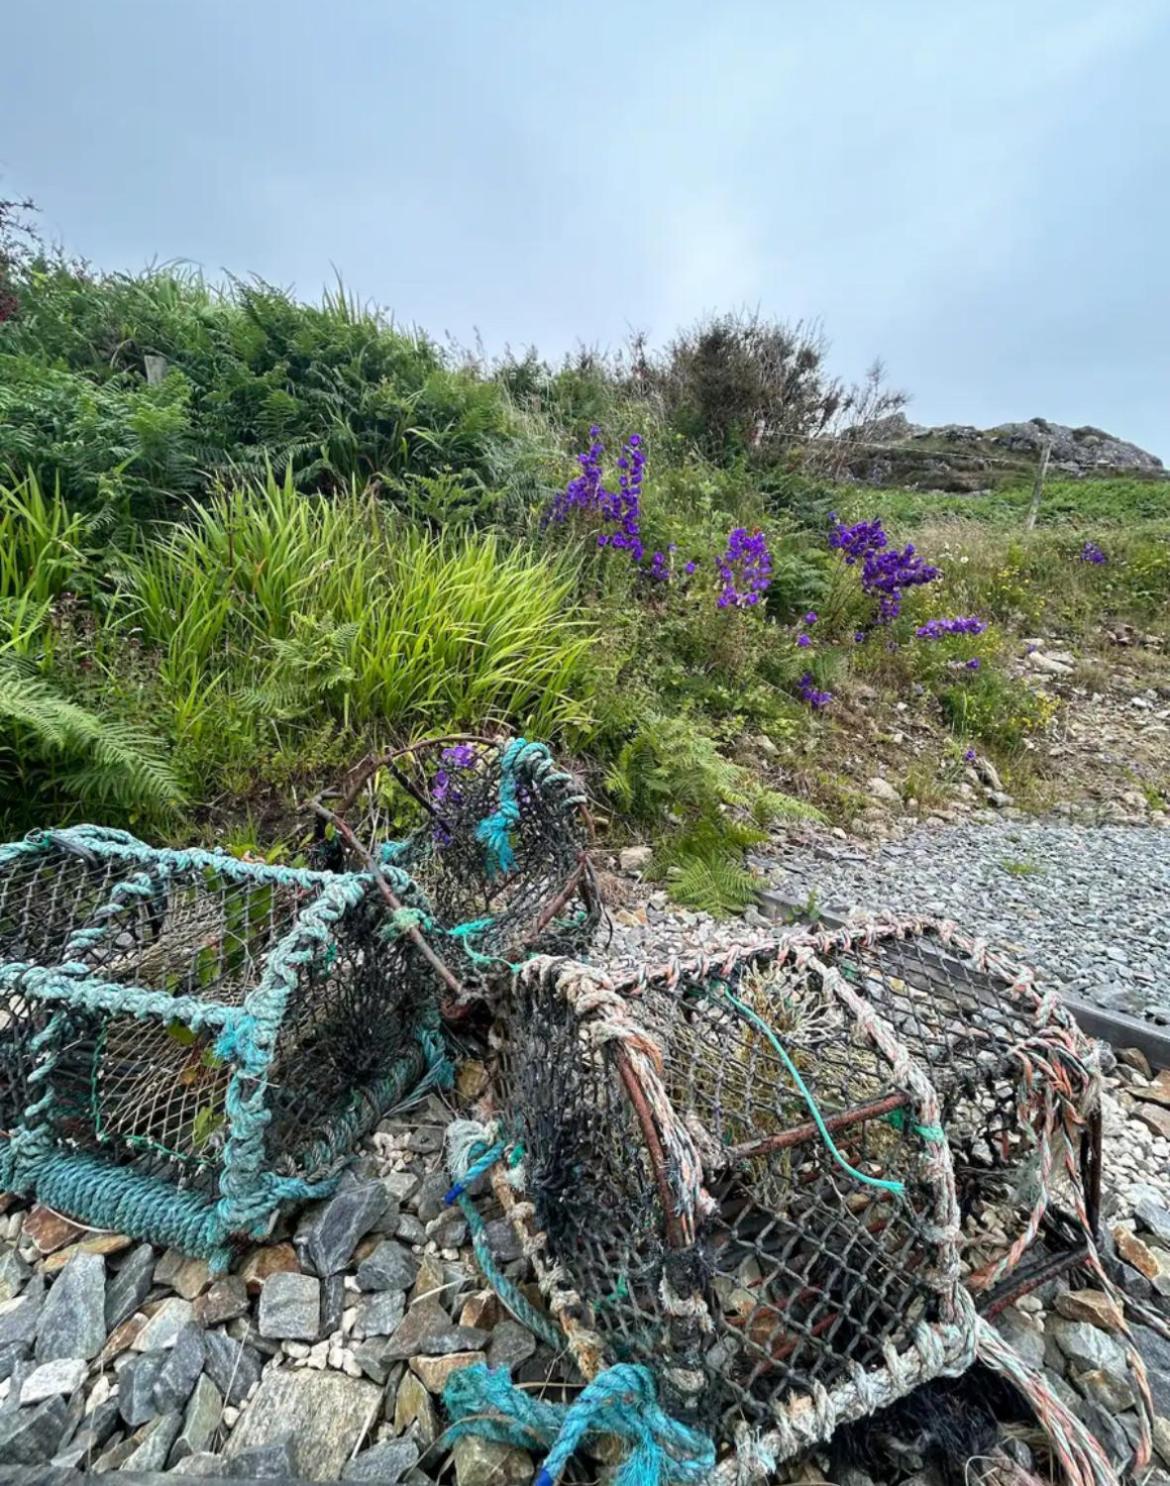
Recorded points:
(801, 1272)
(502, 883)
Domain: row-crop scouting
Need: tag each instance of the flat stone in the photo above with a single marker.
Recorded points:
(73, 1321)
(205, 1463)
(164, 1326)
(427, 1328)
(1154, 1117)
(48, 1230)
(1155, 1216)
(11, 1354)
(414, 1407)
(1091, 1306)
(327, 1414)
(233, 1367)
(384, 1463)
(290, 1307)
(191, 1278)
(276, 1258)
(96, 1243)
(883, 790)
(13, 1274)
(182, 1366)
(480, 1462)
(1110, 1390)
(122, 1338)
(1160, 1431)
(1135, 1252)
(275, 1457)
(326, 1244)
(333, 1303)
(373, 1359)
(1157, 1091)
(481, 1310)
(433, 1372)
(226, 1299)
(390, 1267)
(152, 1443)
(1134, 1058)
(136, 1388)
(503, 1241)
(200, 1421)
(33, 1436)
(1021, 1334)
(62, 1376)
(18, 1318)
(1086, 1346)
(381, 1313)
(511, 1345)
(128, 1288)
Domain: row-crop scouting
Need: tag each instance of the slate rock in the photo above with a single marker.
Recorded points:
(33, 1436)
(1019, 1333)
(129, 1287)
(96, 1428)
(326, 1412)
(390, 1267)
(61, 1377)
(268, 1259)
(205, 1463)
(1156, 1217)
(435, 1372)
(226, 1299)
(183, 1364)
(18, 1318)
(327, 1242)
(384, 1463)
(1108, 1389)
(480, 1462)
(428, 1329)
(231, 1366)
(136, 1388)
(1085, 1346)
(504, 1241)
(381, 1313)
(414, 1408)
(200, 1421)
(11, 1354)
(275, 1457)
(1110, 1433)
(290, 1307)
(13, 1274)
(164, 1326)
(430, 1201)
(372, 1356)
(73, 1320)
(152, 1443)
(333, 1303)
(511, 1344)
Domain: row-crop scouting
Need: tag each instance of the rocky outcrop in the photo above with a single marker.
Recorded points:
(960, 457)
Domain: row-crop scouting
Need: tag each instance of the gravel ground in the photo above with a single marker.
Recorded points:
(1089, 907)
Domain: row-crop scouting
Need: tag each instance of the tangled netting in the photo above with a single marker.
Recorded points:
(188, 1040)
(494, 833)
(762, 1180)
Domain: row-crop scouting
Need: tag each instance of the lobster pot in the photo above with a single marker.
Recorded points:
(737, 1187)
(1017, 1083)
(191, 1040)
(495, 833)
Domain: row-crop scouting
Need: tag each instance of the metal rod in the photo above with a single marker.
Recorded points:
(800, 1133)
(674, 1234)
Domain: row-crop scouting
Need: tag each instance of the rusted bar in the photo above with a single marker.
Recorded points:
(674, 1234)
(549, 912)
(800, 1133)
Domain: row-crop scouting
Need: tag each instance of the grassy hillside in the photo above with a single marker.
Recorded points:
(243, 540)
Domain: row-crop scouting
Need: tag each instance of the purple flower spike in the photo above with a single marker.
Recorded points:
(745, 568)
(809, 693)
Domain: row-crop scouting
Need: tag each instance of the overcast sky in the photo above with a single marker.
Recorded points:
(976, 191)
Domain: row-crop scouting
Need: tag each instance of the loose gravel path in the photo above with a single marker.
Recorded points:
(1089, 906)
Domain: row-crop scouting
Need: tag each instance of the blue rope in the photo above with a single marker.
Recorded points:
(493, 831)
(897, 1188)
(620, 1401)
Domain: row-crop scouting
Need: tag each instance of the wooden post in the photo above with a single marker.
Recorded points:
(1038, 488)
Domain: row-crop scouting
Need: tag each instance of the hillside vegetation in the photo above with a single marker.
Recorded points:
(244, 539)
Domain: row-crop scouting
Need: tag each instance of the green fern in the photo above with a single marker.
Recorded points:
(93, 761)
(714, 883)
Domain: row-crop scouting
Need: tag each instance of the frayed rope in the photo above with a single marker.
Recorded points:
(620, 1401)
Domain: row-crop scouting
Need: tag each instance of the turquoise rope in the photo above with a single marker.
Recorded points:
(897, 1118)
(897, 1188)
(620, 1401)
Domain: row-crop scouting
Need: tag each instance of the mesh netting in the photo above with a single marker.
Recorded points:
(765, 1176)
(494, 833)
(184, 1023)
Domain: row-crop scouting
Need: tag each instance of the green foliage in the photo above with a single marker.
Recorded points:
(49, 746)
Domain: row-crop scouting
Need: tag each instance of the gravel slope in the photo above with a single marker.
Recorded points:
(1089, 906)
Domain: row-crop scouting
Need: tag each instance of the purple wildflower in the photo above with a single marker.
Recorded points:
(859, 637)
(969, 756)
(964, 624)
(974, 663)
(810, 618)
(690, 567)
(804, 641)
(811, 695)
(745, 568)
(1090, 552)
(885, 571)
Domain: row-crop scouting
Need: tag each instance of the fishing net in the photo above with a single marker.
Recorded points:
(187, 1040)
(764, 1177)
(494, 833)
